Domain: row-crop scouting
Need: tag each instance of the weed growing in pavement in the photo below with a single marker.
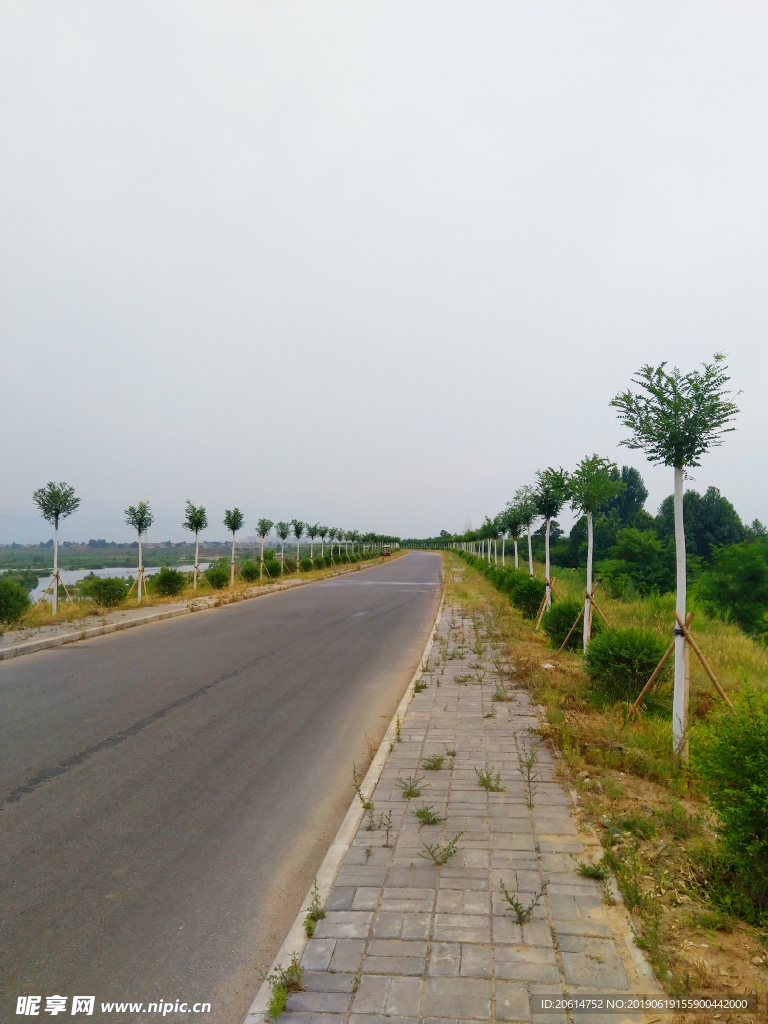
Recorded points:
(502, 693)
(489, 779)
(368, 851)
(315, 913)
(281, 982)
(374, 824)
(433, 763)
(522, 914)
(427, 816)
(491, 713)
(526, 758)
(356, 782)
(451, 753)
(398, 737)
(592, 871)
(441, 853)
(463, 679)
(420, 686)
(410, 786)
(356, 982)
(386, 824)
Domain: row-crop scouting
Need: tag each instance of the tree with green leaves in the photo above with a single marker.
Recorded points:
(513, 524)
(140, 518)
(592, 486)
(525, 503)
(298, 531)
(233, 520)
(549, 497)
(56, 502)
(675, 418)
(312, 532)
(323, 533)
(195, 520)
(282, 530)
(263, 527)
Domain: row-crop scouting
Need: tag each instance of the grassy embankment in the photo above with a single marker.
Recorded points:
(635, 796)
(81, 608)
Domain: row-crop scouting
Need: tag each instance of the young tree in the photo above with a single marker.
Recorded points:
(513, 524)
(233, 520)
(675, 419)
(312, 532)
(525, 503)
(56, 502)
(298, 530)
(196, 519)
(550, 495)
(592, 486)
(323, 531)
(263, 526)
(140, 518)
(282, 530)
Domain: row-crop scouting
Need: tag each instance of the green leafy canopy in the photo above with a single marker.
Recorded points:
(233, 519)
(592, 484)
(139, 517)
(677, 417)
(55, 501)
(196, 518)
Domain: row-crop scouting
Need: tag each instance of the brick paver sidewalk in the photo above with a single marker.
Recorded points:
(411, 941)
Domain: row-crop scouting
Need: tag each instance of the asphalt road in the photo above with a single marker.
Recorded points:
(169, 791)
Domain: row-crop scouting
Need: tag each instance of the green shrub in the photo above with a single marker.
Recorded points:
(328, 561)
(249, 571)
(218, 576)
(527, 594)
(319, 562)
(14, 600)
(168, 582)
(289, 565)
(730, 755)
(272, 568)
(107, 591)
(735, 586)
(620, 661)
(559, 619)
(306, 565)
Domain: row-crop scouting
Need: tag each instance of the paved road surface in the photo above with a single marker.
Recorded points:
(169, 792)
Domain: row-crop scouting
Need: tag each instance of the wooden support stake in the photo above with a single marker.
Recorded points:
(665, 658)
(542, 606)
(702, 659)
(562, 645)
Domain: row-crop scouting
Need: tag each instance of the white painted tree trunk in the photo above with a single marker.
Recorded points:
(530, 551)
(141, 576)
(546, 562)
(197, 559)
(261, 563)
(232, 563)
(503, 545)
(590, 545)
(679, 702)
(312, 547)
(55, 598)
(516, 561)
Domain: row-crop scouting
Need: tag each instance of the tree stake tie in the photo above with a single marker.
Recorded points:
(543, 605)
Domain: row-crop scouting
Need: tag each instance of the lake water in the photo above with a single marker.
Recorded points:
(69, 576)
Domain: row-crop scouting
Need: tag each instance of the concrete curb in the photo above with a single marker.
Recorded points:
(296, 939)
(196, 605)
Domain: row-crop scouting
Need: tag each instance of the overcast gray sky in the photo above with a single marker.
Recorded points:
(368, 263)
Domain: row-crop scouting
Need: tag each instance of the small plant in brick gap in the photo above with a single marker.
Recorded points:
(592, 871)
(315, 913)
(502, 693)
(368, 851)
(522, 914)
(526, 758)
(356, 782)
(374, 824)
(420, 686)
(427, 816)
(433, 763)
(283, 981)
(386, 824)
(489, 779)
(441, 853)
(398, 737)
(491, 713)
(410, 786)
